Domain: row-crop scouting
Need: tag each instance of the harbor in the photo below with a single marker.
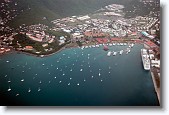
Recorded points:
(57, 79)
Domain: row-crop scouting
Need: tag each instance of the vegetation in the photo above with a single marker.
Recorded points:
(23, 40)
(158, 34)
(58, 34)
(140, 9)
(35, 10)
(79, 43)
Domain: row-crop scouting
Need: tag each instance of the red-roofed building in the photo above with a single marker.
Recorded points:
(102, 40)
(137, 41)
(28, 47)
(116, 39)
(105, 40)
(151, 44)
(99, 40)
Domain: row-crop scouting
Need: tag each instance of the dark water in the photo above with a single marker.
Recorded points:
(122, 80)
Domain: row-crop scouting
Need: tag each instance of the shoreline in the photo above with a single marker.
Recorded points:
(37, 55)
(157, 90)
(63, 48)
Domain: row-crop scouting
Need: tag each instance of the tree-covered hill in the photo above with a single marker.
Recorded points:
(43, 11)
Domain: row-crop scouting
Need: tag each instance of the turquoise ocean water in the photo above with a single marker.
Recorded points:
(76, 77)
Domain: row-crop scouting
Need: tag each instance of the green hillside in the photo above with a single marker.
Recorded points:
(52, 9)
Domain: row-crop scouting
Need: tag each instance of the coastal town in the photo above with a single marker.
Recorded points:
(107, 26)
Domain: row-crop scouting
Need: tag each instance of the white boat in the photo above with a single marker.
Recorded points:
(97, 46)
(9, 89)
(145, 59)
(121, 44)
(132, 45)
(99, 74)
(86, 46)
(78, 84)
(81, 69)
(82, 47)
(125, 44)
(114, 53)
(68, 83)
(29, 90)
(128, 50)
(9, 81)
(22, 80)
(109, 53)
(110, 44)
(39, 89)
(41, 56)
(121, 52)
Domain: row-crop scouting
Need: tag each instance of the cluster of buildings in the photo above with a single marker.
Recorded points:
(37, 33)
(87, 26)
(109, 22)
(146, 23)
(4, 50)
(114, 7)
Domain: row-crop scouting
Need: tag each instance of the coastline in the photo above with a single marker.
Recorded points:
(157, 89)
(38, 55)
(64, 47)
